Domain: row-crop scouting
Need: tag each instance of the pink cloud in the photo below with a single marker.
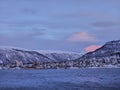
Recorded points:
(92, 48)
(82, 37)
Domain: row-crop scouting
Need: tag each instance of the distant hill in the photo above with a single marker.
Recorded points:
(10, 55)
(106, 56)
(109, 49)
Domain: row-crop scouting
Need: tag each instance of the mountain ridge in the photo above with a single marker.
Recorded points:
(106, 56)
(108, 48)
(12, 54)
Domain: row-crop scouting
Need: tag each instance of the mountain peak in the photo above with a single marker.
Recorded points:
(113, 42)
(107, 49)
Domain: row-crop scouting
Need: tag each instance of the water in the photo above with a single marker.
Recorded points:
(64, 79)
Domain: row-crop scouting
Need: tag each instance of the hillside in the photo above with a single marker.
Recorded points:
(106, 56)
(12, 57)
(109, 49)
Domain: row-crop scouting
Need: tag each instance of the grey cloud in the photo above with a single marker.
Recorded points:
(108, 34)
(37, 32)
(28, 11)
(105, 24)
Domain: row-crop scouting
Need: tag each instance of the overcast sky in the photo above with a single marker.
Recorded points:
(69, 25)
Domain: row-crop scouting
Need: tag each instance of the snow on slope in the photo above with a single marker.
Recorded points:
(10, 54)
(60, 55)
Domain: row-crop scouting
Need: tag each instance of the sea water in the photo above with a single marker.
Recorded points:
(61, 79)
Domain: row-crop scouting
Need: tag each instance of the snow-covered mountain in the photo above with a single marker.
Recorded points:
(60, 55)
(109, 49)
(106, 56)
(10, 55)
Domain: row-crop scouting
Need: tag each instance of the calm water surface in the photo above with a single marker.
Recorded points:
(64, 79)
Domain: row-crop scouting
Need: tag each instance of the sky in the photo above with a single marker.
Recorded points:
(67, 25)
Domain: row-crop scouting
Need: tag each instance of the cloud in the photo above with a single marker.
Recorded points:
(35, 32)
(105, 24)
(92, 48)
(28, 11)
(82, 37)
